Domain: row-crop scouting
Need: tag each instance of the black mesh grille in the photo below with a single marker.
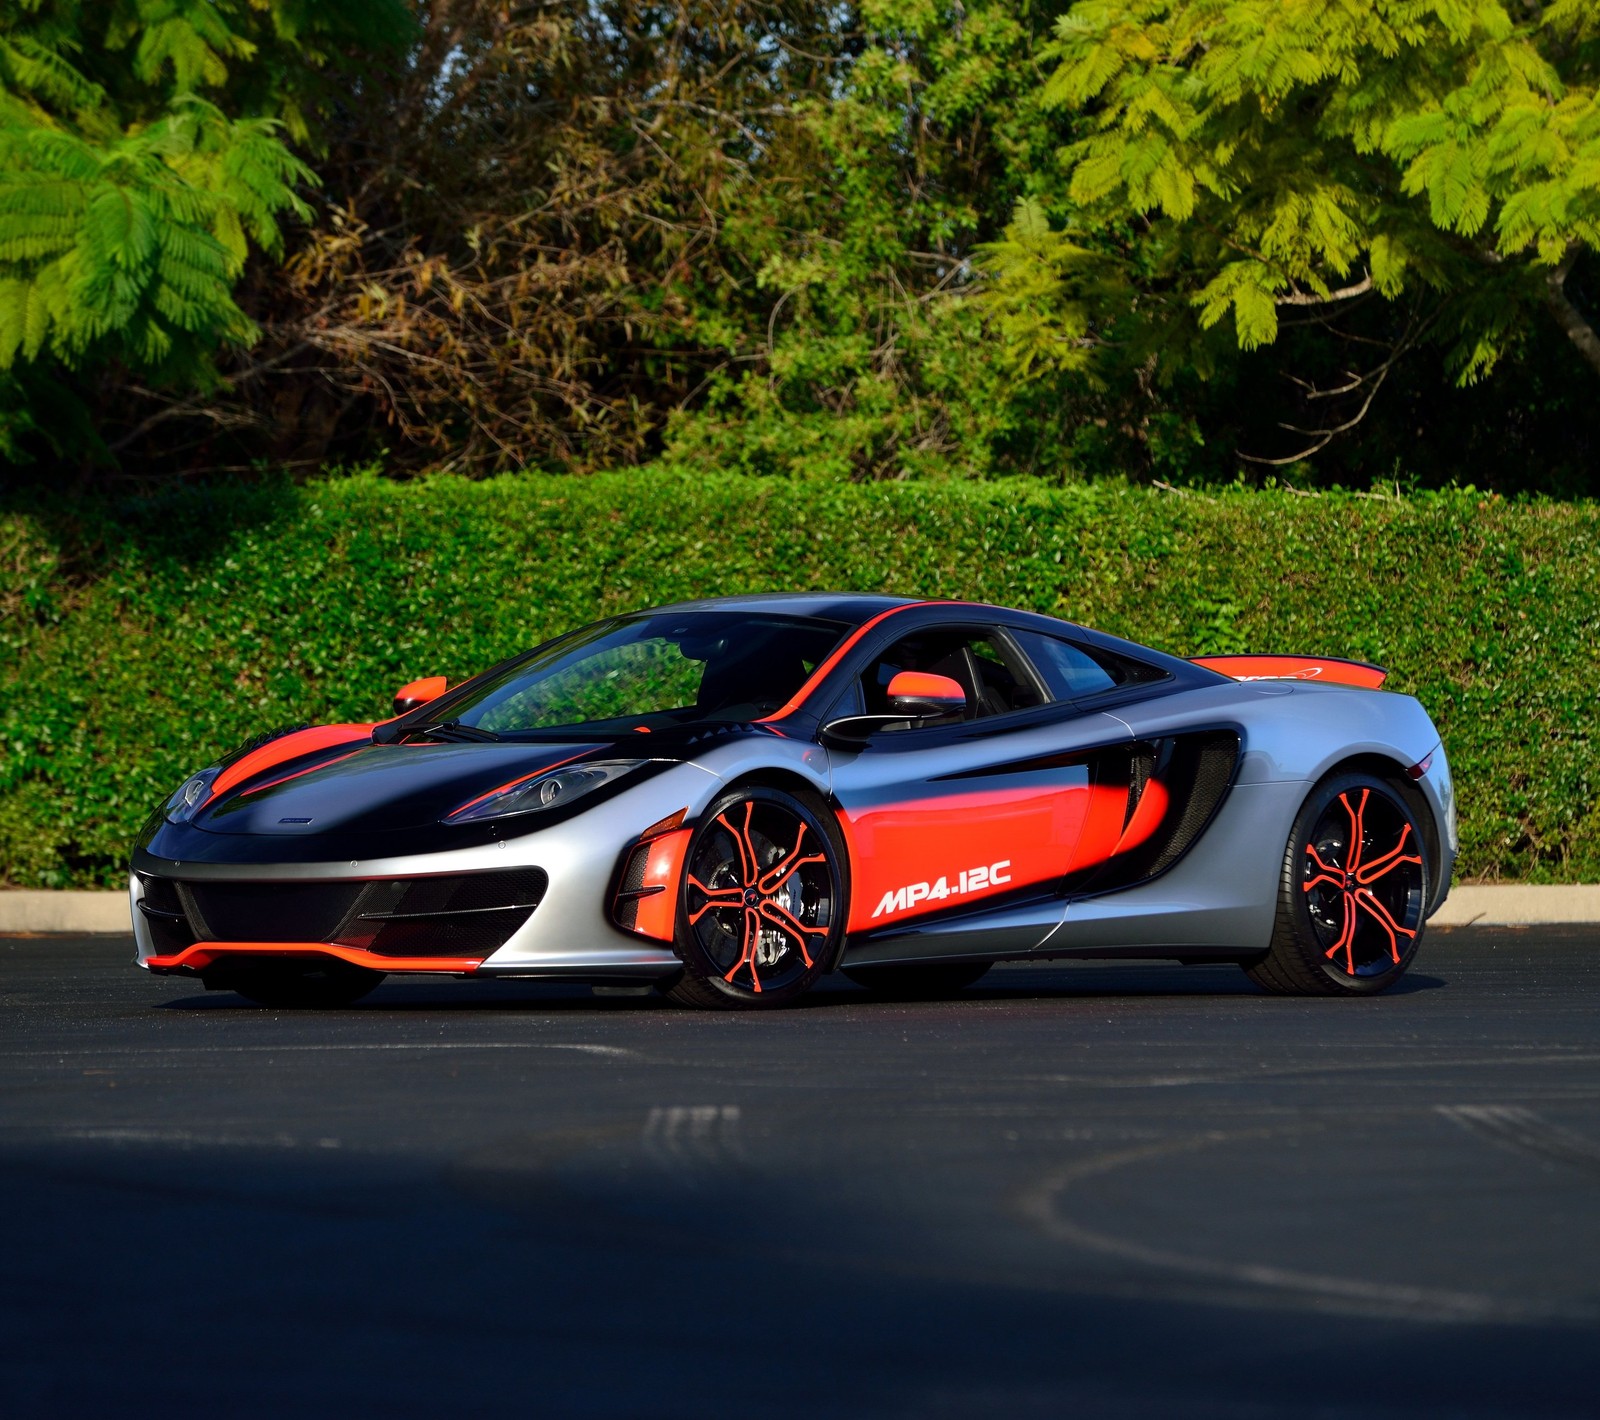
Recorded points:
(163, 913)
(475, 935)
(627, 905)
(466, 892)
(466, 914)
(470, 915)
(161, 895)
(1139, 771)
(268, 912)
(633, 879)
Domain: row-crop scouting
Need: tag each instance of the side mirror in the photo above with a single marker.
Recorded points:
(419, 692)
(915, 697)
(919, 695)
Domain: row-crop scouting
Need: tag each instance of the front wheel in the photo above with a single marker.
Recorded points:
(1352, 895)
(762, 908)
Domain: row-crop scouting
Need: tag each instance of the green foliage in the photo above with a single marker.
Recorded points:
(856, 351)
(889, 239)
(738, 228)
(1241, 161)
(142, 159)
(140, 640)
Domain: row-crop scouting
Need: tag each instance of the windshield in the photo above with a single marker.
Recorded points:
(651, 672)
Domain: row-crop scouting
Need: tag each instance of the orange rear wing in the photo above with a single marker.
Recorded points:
(1329, 669)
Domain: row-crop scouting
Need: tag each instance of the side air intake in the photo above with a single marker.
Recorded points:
(1195, 770)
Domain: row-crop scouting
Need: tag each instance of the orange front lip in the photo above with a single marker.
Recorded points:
(204, 954)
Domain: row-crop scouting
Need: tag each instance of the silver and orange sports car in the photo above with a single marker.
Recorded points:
(732, 798)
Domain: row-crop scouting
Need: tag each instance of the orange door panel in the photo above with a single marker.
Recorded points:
(931, 851)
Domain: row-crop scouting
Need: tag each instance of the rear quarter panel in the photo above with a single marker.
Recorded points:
(1221, 897)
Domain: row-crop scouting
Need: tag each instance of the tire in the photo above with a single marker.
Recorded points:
(762, 909)
(1352, 895)
(924, 982)
(298, 985)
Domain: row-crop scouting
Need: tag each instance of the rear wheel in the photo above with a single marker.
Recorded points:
(1352, 895)
(294, 985)
(762, 909)
(922, 982)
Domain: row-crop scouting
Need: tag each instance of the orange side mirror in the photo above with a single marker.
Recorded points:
(919, 693)
(419, 692)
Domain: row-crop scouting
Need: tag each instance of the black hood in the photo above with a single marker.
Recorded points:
(366, 800)
(379, 788)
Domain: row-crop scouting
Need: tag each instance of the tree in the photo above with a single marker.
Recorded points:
(510, 248)
(1390, 173)
(853, 346)
(144, 155)
(579, 234)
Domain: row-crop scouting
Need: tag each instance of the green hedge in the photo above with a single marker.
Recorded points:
(137, 642)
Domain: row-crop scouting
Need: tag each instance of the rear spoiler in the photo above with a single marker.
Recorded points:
(1329, 669)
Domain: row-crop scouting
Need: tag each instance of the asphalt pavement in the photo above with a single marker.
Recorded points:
(1079, 1190)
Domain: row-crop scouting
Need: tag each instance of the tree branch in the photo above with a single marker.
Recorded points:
(1567, 315)
(1372, 380)
(1298, 297)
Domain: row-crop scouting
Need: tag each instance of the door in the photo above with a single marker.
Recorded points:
(989, 809)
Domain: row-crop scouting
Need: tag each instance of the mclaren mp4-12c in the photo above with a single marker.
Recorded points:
(729, 799)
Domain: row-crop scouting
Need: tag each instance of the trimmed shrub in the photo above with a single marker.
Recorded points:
(139, 641)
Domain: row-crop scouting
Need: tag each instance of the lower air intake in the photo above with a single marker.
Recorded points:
(459, 914)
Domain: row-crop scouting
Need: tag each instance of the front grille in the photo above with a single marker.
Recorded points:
(268, 912)
(468, 915)
(462, 914)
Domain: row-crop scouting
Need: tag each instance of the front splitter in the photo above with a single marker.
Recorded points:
(197, 958)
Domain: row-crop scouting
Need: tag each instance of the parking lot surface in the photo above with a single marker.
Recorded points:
(1080, 1189)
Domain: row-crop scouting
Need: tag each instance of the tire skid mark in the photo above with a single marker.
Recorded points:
(1041, 1206)
(690, 1140)
(1173, 1078)
(328, 1046)
(1522, 1131)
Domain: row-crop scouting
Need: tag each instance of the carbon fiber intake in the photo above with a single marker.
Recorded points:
(1210, 764)
(1196, 770)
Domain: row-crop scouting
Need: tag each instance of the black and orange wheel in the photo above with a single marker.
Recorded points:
(762, 910)
(294, 985)
(1353, 894)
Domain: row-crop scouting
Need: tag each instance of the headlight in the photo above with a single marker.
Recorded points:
(548, 789)
(180, 808)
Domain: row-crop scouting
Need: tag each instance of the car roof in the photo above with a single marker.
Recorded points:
(852, 608)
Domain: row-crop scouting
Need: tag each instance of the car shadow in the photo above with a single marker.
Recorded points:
(1010, 984)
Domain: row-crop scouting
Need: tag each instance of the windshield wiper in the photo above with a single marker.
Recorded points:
(453, 732)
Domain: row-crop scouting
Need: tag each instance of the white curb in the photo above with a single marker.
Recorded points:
(1472, 904)
(64, 912)
(1517, 905)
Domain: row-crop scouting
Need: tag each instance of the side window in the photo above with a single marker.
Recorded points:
(995, 682)
(1072, 671)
